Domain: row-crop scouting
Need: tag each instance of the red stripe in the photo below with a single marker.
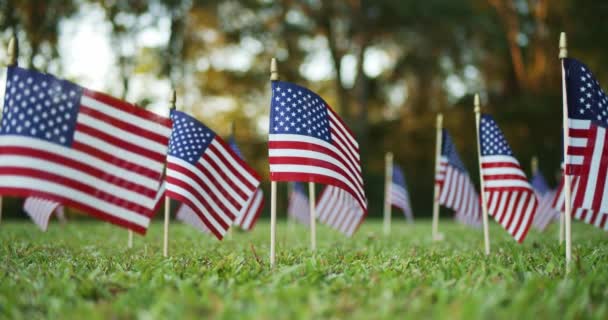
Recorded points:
(130, 108)
(601, 176)
(485, 164)
(207, 188)
(24, 192)
(504, 177)
(122, 144)
(517, 215)
(186, 201)
(74, 184)
(124, 125)
(79, 166)
(110, 158)
(316, 148)
(257, 214)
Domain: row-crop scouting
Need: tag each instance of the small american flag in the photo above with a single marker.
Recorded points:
(309, 142)
(588, 137)
(337, 209)
(545, 213)
(298, 204)
(591, 217)
(510, 198)
(400, 197)
(253, 208)
(456, 190)
(81, 148)
(186, 215)
(40, 210)
(204, 173)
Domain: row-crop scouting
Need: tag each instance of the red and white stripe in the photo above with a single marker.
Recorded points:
(588, 159)
(339, 210)
(40, 210)
(588, 216)
(545, 213)
(400, 198)
(295, 157)
(299, 207)
(186, 215)
(457, 191)
(251, 211)
(112, 170)
(216, 187)
(509, 197)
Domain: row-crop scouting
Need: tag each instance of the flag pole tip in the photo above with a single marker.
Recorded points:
(477, 103)
(12, 52)
(563, 46)
(173, 99)
(534, 165)
(274, 70)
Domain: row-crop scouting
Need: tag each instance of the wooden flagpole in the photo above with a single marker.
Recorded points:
(12, 61)
(435, 232)
(534, 165)
(484, 207)
(563, 54)
(274, 76)
(130, 239)
(172, 102)
(232, 133)
(388, 178)
(313, 216)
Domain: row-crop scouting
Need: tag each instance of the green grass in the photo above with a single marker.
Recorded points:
(85, 271)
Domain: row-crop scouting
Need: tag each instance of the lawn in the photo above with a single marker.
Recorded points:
(84, 271)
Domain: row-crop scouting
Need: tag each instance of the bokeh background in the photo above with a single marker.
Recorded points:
(387, 66)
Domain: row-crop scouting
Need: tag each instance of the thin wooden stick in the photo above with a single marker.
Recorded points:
(274, 76)
(534, 165)
(313, 216)
(388, 178)
(486, 232)
(12, 61)
(172, 101)
(130, 239)
(438, 144)
(563, 54)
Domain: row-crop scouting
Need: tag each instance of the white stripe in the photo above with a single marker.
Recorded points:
(235, 165)
(499, 158)
(526, 219)
(121, 134)
(27, 162)
(116, 151)
(579, 124)
(577, 142)
(506, 183)
(84, 198)
(510, 207)
(253, 209)
(199, 206)
(125, 116)
(37, 144)
(576, 160)
(517, 214)
(503, 171)
(315, 170)
(594, 168)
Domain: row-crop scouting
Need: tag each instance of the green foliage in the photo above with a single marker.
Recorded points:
(84, 270)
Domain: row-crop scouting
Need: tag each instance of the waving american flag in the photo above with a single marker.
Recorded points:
(309, 142)
(74, 146)
(253, 208)
(336, 209)
(456, 190)
(400, 197)
(204, 173)
(40, 211)
(588, 137)
(509, 197)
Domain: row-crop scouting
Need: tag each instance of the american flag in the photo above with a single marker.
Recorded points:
(186, 215)
(298, 204)
(204, 173)
(599, 220)
(545, 213)
(336, 209)
(253, 208)
(509, 197)
(400, 197)
(309, 142)
(456, 190)
(40, 210)
(81, 148)
(588, 137)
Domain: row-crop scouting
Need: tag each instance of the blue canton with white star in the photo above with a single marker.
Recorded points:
(539, 184)
(586, 99)
(40, 106)
(297, 110)
(189, 138)
(234, 147)
(398, 176)
(493, 142)
(448, 149)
